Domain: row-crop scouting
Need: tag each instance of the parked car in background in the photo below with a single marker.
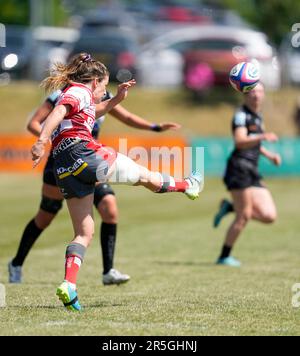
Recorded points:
(15, 57)
(181, 13)
(102, 17)
(115, 48)
(51, 45)
(162, 61)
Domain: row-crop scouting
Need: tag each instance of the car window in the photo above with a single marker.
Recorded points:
(205, 44)
(107, 44)
(14, 41)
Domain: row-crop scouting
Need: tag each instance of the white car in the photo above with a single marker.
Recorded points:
(160, 62)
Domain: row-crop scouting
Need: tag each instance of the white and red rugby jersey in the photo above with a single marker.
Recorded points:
(80, 121)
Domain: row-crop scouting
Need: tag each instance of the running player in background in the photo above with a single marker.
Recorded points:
(251, 198)
(104, 196)
(84, 161)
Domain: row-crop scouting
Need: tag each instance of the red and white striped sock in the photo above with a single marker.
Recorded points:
(169, 185)
(72, 266)
(74, 256)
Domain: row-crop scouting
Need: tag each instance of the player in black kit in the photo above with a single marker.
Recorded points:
(251, 199)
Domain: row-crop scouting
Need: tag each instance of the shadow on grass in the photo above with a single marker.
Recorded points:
(31, 307)
(185, 263)
(61, 307)
(102, 305)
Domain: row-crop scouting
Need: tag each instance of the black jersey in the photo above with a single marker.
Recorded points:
(52, 99)
(253, 122)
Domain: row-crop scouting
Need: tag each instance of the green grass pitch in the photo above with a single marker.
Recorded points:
(167, 244)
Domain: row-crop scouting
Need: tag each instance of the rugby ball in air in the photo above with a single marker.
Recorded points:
(244, 76)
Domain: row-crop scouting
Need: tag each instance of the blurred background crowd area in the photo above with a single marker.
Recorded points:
(165, 44)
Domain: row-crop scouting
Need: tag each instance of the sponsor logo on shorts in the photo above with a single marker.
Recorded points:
(75, 169)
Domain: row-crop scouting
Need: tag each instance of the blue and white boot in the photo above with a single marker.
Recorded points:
(195, 182)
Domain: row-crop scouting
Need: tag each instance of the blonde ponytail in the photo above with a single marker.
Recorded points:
(82, 69)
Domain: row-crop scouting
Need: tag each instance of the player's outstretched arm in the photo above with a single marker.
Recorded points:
(133, 120)
(107, 105)
(272, 156)
(243, 141)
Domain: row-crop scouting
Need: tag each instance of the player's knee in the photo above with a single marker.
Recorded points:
(48, 209)
(270, 217)
(51, 206)
(110, 217)
(108, 209)
(126, 171)
(243, 217)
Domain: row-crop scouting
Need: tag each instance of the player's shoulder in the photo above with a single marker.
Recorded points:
(240, 117)
(77, 90)
(53, 97)
(78, 93)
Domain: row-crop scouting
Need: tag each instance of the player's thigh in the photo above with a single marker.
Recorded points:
(242, 202)
(263, 203)
(51, 192)
(125, 171)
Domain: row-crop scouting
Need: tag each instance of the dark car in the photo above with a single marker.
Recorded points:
(101, 18)
(116, 49)
(15, 57)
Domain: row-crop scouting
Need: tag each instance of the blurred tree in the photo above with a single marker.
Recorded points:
(41, 12)
(15, 12)
(273, 17)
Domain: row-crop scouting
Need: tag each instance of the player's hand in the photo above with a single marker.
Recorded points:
(37, 152)
(169, 126)
(276, 159)
(123, 89)
(270, 137)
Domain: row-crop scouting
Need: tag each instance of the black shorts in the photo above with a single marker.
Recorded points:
(49, 177)
(78, 168)
(240, 174)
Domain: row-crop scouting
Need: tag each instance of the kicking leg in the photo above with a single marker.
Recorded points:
(126, 171)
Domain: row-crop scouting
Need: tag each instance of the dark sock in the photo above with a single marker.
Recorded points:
(225, 251)
(30, 235)
(108, 242)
